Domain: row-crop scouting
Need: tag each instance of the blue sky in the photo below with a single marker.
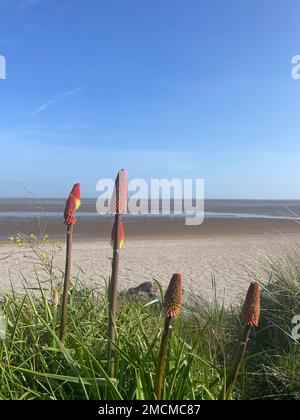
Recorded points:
(164, 88)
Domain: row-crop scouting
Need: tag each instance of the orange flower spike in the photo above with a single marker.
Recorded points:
(251, 308)
(173, 296)
(73, 204)
(120, 194)
(121, 234)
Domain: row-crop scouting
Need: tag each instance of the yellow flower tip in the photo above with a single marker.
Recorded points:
(251, 308)
(121, 234)
(173, 296)
(55, 298)
(73, 204)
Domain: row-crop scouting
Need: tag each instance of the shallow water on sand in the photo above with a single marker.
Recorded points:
(45, 216)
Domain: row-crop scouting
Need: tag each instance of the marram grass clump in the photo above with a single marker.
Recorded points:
(36, 364)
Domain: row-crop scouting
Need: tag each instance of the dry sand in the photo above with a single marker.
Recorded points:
(228, 257)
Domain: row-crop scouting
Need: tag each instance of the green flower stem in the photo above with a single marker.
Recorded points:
(67, 282)
(159, 376)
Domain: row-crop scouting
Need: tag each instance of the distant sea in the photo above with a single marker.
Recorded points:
(45, 216)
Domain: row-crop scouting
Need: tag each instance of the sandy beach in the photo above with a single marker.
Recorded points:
(238, 237)
(229, 253)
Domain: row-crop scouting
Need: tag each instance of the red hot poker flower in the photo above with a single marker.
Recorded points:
(251, 308)
(120, 194)
(173, 296)
(73, 204)
(121, 234)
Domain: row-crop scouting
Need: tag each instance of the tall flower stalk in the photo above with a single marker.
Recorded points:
(250, 318)
(73, 203)
(172, 306)
(119, 207)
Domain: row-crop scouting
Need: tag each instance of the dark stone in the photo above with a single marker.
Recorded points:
(145, 292)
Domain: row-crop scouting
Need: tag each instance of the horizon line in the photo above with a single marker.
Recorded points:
(95, 198)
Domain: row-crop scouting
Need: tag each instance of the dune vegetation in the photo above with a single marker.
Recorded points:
(36, 364)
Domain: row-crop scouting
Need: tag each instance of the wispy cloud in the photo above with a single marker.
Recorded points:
(73, 91)
(56, 98)
(42, 108)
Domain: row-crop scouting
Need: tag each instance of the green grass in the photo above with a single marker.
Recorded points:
(34, 364)
(275, 372)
